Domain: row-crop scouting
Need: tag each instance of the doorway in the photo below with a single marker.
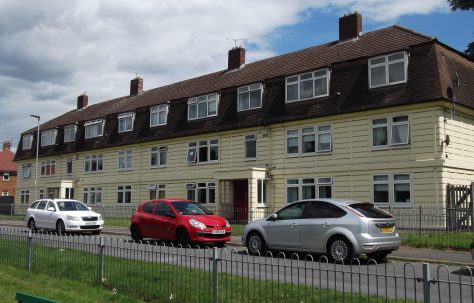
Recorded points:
(241, 203)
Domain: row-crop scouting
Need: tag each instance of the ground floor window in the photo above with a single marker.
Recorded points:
(93, 195)
(308, 188)
(157, 191)
(261, 192)
(391, 189)
(201, 192)
(69, 193)
(25, 196)
(124, 194)
(41, 194)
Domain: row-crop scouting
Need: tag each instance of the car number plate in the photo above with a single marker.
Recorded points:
(386, 229)
(91, 223)
(218, 232)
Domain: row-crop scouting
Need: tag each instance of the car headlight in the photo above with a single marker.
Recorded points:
(227, 223)
(72, 218)
(100, 218)
(196, 223)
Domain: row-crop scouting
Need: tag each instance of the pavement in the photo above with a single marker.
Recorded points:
(404, 253)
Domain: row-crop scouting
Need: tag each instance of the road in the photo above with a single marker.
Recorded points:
(393, 279)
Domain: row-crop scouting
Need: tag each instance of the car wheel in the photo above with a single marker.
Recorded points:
(378, 256)
(340, 249)
(219, 244)
(60, 229)
(256, 244)
(136, 235)
(182, 237)
(32, 225)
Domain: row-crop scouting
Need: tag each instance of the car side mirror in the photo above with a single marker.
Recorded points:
(273, 217)
(50, 208)
(170, 215)
(90, 208)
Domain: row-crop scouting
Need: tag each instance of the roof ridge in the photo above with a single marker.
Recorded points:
(411, 31)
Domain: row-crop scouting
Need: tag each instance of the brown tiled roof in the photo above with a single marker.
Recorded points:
(6, 161)
(428, 76)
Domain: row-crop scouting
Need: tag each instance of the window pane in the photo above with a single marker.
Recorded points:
(214, 153)
(324, 142)
(309, 192)
(202, 109)
(203, 154)
(292, 145)
(250, 149)
(292, 194)
(309, 144)
(400, 134)
(402, 193)
(324, 191)
(379, 136)
(377, 76)
(320, 86)
(396, 72)
(292, 92)
(255, 99)
(192, 111)
(212, 109)
(380, 193)
(381, 178)
(403, 177)
(396, 56)
(243, 103)
(306, 89)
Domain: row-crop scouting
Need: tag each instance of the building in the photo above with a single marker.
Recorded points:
(385, 116)
(7, 171)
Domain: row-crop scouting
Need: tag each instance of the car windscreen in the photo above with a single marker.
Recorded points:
(190, 208)
(71, 206)
(370, 211)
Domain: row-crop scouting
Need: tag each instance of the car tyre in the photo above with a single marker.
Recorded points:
(182, 237)
(136, 234)
(60, 228)
(32, 225)
(378, 256)
(340, 249)
(256, 244)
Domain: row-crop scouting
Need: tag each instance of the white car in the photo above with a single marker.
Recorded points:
(63, 215)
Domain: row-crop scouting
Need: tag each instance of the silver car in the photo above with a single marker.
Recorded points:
(342, 229)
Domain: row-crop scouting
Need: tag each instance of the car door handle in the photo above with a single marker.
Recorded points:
(293, 225)
(325, 224)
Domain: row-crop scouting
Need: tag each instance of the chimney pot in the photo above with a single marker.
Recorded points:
(236, 58)
(350, 26)
(136, 86)
(6, 145)
(82, 101)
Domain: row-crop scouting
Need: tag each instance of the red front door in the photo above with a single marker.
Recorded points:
(241, 202)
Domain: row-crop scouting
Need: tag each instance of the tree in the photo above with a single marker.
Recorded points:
(464, 5)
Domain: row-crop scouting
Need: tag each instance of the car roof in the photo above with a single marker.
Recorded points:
(167, 200)
(59, 200)
(340, 202)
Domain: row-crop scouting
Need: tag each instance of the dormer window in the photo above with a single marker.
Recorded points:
(70, 133)
(203, 106)
(158, 115)
(94, 128)
(249, 97)
(388, 70)
(125, 122)
(48, 137)
(27, 141)
(307, 86)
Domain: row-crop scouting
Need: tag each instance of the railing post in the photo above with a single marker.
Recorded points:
(101, 260)
(426, 283)
(419, 222)
(215, 285)
(472, 206)
(30, 248)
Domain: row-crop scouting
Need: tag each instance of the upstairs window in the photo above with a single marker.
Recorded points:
(159, 156)
(93, 163)
(250, 147)
(48, 137)
(203, 151)
(69, 167)
(307, 86)
(94, 128)
(125, 122)
(388, 69)
(27, 141)
(48, 168)
(391, 131)
(69, 133)
(6, 177)
(309, 140)
(249, 97)
(203, 106)
(158, 115)
(26, 170)
(125, 160)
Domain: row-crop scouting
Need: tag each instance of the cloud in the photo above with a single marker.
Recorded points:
(53, 50)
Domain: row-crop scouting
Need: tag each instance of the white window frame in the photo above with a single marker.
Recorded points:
(195, 103)
(69, 162)
(48, 137)
(299, 134)
(125, 191)
(194, 150)
(312, 76)
(27, 141)
(386, 64)
(6, 177)
(89, 126)
(161, 153)
(159, 191)
(391, 183)
(316, 183)
(250, 139)
(125, 160)
(95, 192)
(246, 92)
(208, 188)
(98, 159)
(125, 122)
(70, 133)
(26, 170)
(48, 165)
(262, 194)
(25, 197)
(155, 112)
(389, 126)
(4, 194)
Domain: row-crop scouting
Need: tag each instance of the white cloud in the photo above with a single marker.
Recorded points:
(53, 50)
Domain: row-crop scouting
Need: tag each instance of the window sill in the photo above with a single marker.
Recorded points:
(94, 172)
(124, 169)
(388, 84)
(250, 159)
(158, 166)
(388, 147)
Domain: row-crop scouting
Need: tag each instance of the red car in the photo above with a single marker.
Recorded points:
(183, 221)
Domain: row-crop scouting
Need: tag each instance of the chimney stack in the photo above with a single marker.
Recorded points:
(350, 26)
(6, 145)
(82, 101)
(136, 86)
(236, 58)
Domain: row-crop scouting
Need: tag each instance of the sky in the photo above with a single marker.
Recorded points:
(52, 51)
